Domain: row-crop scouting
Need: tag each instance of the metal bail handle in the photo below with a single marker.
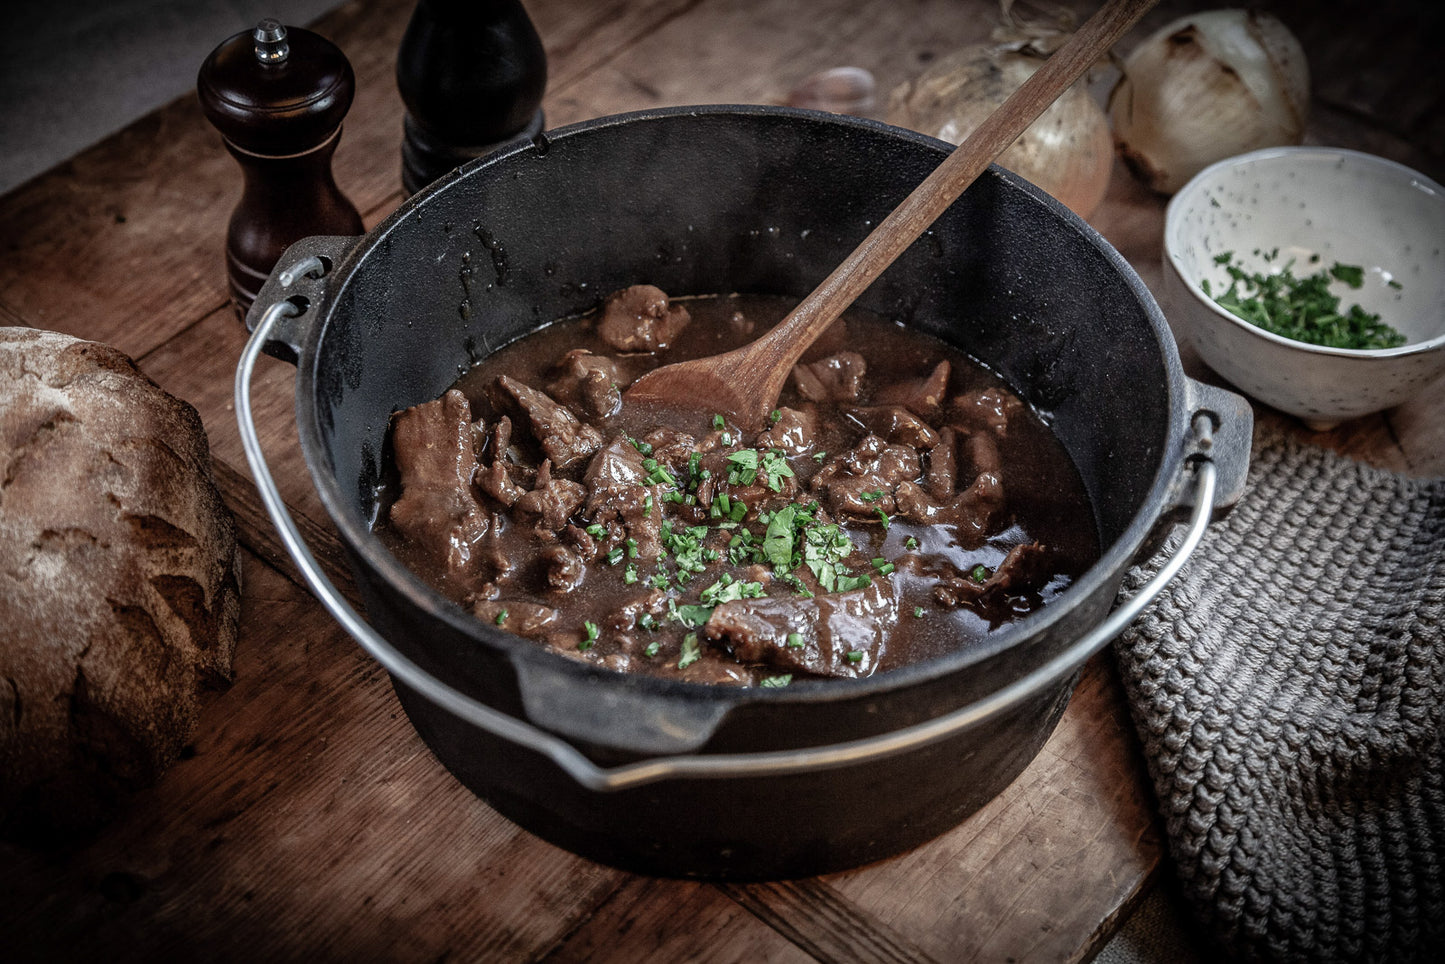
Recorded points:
(695, 766)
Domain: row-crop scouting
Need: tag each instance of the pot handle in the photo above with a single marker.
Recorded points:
(688, 766)
(1228, 445)
(299, 277)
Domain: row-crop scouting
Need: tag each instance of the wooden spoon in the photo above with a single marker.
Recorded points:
(745, 382)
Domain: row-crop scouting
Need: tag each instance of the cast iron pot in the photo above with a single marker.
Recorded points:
(673, 778)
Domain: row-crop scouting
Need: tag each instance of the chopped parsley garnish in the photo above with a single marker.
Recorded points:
(743, 467)
(614, 555)
(728, 589)
(596, 530)
(657, 473)
(776, 682)
(693, 616)
(825, 546)
(855, 656)
(718, 422)
(502, 618)
(779, 540)
(1303, 309)
(652, 648)
(629, 575)
(775, 468)
(795, 640)
(686, 547)
(910, 543)
(691, 651)
(980, 573)
(726, 507)
(917, 612)
(773, 417)
(591, 632)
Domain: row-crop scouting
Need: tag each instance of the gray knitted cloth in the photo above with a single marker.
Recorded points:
(1289, 690)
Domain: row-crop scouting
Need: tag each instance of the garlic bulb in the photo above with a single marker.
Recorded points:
(1068, 151)
(1205, 87)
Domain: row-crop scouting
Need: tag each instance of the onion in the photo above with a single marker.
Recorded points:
(1068, 151)
(1205, 87)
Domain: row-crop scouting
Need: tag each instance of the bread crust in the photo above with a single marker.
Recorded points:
(119, 580)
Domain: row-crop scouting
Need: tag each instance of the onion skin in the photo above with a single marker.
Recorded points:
(1205, 87)
(1068, 151)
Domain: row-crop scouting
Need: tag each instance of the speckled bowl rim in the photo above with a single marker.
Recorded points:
(1173, 221)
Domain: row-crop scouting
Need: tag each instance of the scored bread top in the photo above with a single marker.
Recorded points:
(119, 577)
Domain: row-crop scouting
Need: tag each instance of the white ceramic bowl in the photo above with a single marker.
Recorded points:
(1343, 206)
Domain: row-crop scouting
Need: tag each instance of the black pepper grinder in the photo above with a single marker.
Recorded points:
(278, 95)
(472, 74)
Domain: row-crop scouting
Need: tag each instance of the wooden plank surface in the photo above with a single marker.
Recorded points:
(308, 820)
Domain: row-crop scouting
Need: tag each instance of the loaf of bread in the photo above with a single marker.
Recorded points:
(119, 581)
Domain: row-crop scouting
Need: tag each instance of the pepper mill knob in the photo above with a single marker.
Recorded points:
(471, 74)
(278, 95)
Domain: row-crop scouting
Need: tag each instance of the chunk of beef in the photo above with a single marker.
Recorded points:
(564, 438)
(591, 384)
(973, 511)
(617, 489)
(648, 602)
(437, 511)
(941, 477)
(836, 378)
(833, 634)
(862, 481)
(670, 447)
(896, 424)
(582, 542)
(496, 479)
(494, 565)
(988, 410)
(794, 432)
(641, 318)
(565, 568)
(1026, 568)
(983, 454)
(553, 501)
(921, 396)
(515, 615)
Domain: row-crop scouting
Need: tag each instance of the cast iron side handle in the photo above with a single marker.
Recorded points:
(299, 277)
(690, 766)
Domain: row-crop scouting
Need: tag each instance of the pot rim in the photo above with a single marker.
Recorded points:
(368, 550)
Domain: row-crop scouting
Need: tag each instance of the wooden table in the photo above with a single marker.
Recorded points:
(308, 820)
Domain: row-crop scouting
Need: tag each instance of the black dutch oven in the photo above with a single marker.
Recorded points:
(673, 778)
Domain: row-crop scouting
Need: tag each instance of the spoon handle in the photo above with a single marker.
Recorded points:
(950, 179)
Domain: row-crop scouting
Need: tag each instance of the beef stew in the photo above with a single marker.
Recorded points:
(901, 501)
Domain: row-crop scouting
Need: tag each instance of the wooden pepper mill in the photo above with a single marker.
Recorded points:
(472, 74)
(278, 95)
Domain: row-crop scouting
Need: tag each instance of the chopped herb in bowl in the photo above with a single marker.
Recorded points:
(1303, 309)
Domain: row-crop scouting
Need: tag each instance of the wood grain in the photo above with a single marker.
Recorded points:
(308, 821)
(660, 920)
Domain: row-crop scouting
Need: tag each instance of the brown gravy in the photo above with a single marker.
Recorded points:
(902, 504)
